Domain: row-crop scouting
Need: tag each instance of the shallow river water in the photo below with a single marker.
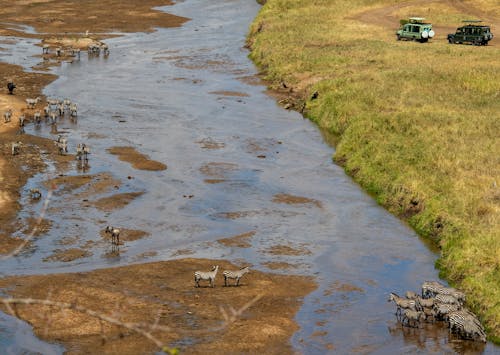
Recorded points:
(188, 97)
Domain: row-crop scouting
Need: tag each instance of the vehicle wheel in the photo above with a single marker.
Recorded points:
(450, 41)
(398, 37)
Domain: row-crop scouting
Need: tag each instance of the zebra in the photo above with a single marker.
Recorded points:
(105, 50)
(53, 117)
(411, 295)
(73, 109)
(59, 51)
(82, 152)
(35, 194)
(30, 103)
(16, 147)
(459, 320)
(45, 49)
(60, 109)
(37, 116)
(402, 303)
(115, 234)
(447, 299)
(236, 275)
(63, 147)
(411, 316)
(22, 118)
(471, 331)
(425, 302)
(431, 288)
(458, 295)
(7, 115)
(207, 276)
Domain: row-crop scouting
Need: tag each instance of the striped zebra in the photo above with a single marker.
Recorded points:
(402, 303)
(472, 331)
(37, 117)
(206, 276)
(431, 288)
(115, 234)
(466, 324)
(447, 299)
(7, 115)
(16, 146)
(443, 309)
(412, 318)
(235, 275)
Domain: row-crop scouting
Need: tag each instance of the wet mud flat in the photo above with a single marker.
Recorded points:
(163, 293)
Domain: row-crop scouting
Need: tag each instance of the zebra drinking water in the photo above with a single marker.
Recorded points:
(402, 303)
(37, 117)
(73, 110)
(207, 276)
(235, 275)
(412, 318)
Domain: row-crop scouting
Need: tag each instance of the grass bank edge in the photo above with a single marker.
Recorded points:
(373, 136)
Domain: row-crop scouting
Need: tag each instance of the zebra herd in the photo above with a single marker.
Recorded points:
(94, 49)
(438, 302)
(55, 109)
(228, 275)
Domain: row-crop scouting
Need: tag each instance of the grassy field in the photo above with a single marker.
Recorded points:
(418, 125)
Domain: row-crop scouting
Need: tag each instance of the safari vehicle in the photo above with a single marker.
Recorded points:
(472, 32)
(415, 29)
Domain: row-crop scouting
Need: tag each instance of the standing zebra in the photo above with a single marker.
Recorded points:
(412, 318)
(235, 275)
(207, 276)
(402, 303)
(7, 115)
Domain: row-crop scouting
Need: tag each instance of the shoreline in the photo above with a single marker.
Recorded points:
(270, 326)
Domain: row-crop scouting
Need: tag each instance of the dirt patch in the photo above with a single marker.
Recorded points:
(126, 235)
(218, 170)
(338, 286)
(116, 201)
(295, 200)
(37, 226)
(182, 252)
(68, 255)
(288, 250)
(9, 244)
(163, 293)
(138, 160)
(209, 143)
(280, 265)
(214, 181)
(238, 241)
(229, 93)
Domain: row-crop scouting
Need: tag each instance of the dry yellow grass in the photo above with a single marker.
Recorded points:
(418, 124)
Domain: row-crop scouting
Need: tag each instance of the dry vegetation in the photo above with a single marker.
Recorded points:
(418, 124)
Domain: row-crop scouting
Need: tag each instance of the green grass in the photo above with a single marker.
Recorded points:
(418, 125)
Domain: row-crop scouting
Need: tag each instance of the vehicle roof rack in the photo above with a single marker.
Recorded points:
(473, 21)
(416, 19)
